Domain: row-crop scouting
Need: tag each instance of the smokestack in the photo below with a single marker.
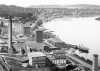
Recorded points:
(95, 62)
(39, 36)
(10, 35)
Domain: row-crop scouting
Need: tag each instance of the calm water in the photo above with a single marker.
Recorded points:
(85, 31)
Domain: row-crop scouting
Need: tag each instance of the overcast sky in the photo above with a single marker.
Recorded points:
(26, 3)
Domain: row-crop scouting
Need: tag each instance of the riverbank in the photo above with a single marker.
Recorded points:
(79, 31)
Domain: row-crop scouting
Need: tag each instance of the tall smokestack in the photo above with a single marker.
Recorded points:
(10, 35)
(95, 62)
(39, 36)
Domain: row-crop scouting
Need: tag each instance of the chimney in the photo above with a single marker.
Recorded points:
(39, 36)
(10, 36)
(95, 62)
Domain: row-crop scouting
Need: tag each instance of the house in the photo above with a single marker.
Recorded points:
(58, 58)
(18, 27)
(3, 28)
(37, 58)
(27, 29)
(34, 46)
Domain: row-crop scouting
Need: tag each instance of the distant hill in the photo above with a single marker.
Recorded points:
(49, 12)
(67, 6)
(14, 11)
(85, 6)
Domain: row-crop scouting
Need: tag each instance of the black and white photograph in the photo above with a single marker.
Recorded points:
(49, 35)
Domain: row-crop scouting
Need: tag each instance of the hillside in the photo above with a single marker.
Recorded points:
(85, 6)
(14, 11)
(67, 6)
(49, 12)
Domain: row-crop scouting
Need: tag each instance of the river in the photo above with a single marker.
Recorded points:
(84, 31)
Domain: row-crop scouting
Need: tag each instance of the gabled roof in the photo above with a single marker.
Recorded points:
(34, 45)
(36, 54)
(55, 39)
(79, 61)
(59, 52)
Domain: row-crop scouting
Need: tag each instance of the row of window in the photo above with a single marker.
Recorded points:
(59, 61)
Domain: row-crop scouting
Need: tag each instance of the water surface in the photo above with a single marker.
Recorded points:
(84, 31)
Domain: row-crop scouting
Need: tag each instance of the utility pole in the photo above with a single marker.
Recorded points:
(10, 35)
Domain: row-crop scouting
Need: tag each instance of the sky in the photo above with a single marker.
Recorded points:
(26, 3)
